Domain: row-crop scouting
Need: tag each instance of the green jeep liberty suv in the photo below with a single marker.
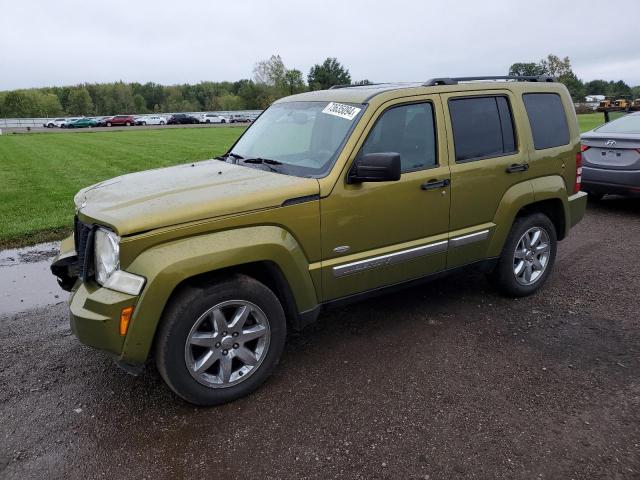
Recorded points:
(328, 197)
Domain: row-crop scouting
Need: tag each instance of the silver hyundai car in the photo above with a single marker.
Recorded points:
(611, 158)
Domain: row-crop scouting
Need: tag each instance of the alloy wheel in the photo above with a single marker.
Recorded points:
(227, 343)
(531, 256)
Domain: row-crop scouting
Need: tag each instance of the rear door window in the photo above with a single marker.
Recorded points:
(482, 127)
(547, 118)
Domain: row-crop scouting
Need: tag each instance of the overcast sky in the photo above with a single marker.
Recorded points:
(62, 42)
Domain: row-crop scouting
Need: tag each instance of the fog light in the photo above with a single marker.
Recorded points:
(125, 318)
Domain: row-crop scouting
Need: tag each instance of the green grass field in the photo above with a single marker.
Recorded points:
(40, 173)
(589, 121)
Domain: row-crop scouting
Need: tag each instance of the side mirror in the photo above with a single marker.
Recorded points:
(375, 167)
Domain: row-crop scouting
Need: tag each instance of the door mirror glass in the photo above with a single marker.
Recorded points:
(375, 167)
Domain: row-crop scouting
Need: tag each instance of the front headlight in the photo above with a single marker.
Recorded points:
(107, 265)
(107, 254)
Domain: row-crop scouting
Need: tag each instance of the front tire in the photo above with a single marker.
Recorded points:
(220, 342)
(527, 256)
(108, 124)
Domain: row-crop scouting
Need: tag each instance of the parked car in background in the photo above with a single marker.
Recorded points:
(83, 123)
(139, 120)
(153, 120)
(611, 158)
(120, 120)
(54, 123)
(67, 121)
(182, 118)
(213, 118)
(102, 121)
(238, 118)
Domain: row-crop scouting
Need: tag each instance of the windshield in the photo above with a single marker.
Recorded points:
(306, 137)
(626, 124)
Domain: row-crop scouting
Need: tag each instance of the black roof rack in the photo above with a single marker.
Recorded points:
(456, 80)
(351, 85)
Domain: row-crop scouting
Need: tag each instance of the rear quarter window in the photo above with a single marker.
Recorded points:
(547, 118)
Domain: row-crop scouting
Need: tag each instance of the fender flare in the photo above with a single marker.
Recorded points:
(516, 197)
(530, 192)
(167, 265)
(553, 187)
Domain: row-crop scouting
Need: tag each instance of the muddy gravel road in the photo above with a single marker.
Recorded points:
(444, 381)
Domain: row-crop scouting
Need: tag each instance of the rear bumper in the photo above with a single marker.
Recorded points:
(600, 180)
(577, 206)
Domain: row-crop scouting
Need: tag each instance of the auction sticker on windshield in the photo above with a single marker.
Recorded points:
(341, 110)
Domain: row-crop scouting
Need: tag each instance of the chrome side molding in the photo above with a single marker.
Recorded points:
(404, 255)
(470, 238)
(389, 259)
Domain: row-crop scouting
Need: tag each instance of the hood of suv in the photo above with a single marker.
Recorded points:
(151, 199)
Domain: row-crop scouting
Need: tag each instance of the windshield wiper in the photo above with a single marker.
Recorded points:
(230, 154)
(263, 161)
(268, 161)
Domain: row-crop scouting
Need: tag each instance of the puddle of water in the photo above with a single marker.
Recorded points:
(25, 279)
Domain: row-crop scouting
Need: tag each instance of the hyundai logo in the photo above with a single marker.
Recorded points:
(610, 143)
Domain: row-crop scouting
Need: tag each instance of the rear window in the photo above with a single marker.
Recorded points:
(482, 127)
(547, 119)
(627, 124)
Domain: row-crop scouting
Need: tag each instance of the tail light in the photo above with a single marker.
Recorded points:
(576, 186)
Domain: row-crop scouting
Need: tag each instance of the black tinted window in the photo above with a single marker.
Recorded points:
(547, 119)
(482, 127)
(408, 130)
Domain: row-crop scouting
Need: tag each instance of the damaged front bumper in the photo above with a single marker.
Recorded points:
(95, 311)
(65, 266)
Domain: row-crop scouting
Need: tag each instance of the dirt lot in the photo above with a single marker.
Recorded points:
(444, 381)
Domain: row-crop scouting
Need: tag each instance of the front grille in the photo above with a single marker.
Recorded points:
(83, 236)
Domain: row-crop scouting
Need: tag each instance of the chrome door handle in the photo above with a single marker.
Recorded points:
(517, 167)
(433, 184)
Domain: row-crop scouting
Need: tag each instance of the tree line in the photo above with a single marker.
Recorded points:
(561, 69)
(271, 80)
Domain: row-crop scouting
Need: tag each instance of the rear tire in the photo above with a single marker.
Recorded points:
(128, 124)
(108, 124)
(206, 313)
(527, 257)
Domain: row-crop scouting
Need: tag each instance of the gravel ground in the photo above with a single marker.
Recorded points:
(448, 380)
